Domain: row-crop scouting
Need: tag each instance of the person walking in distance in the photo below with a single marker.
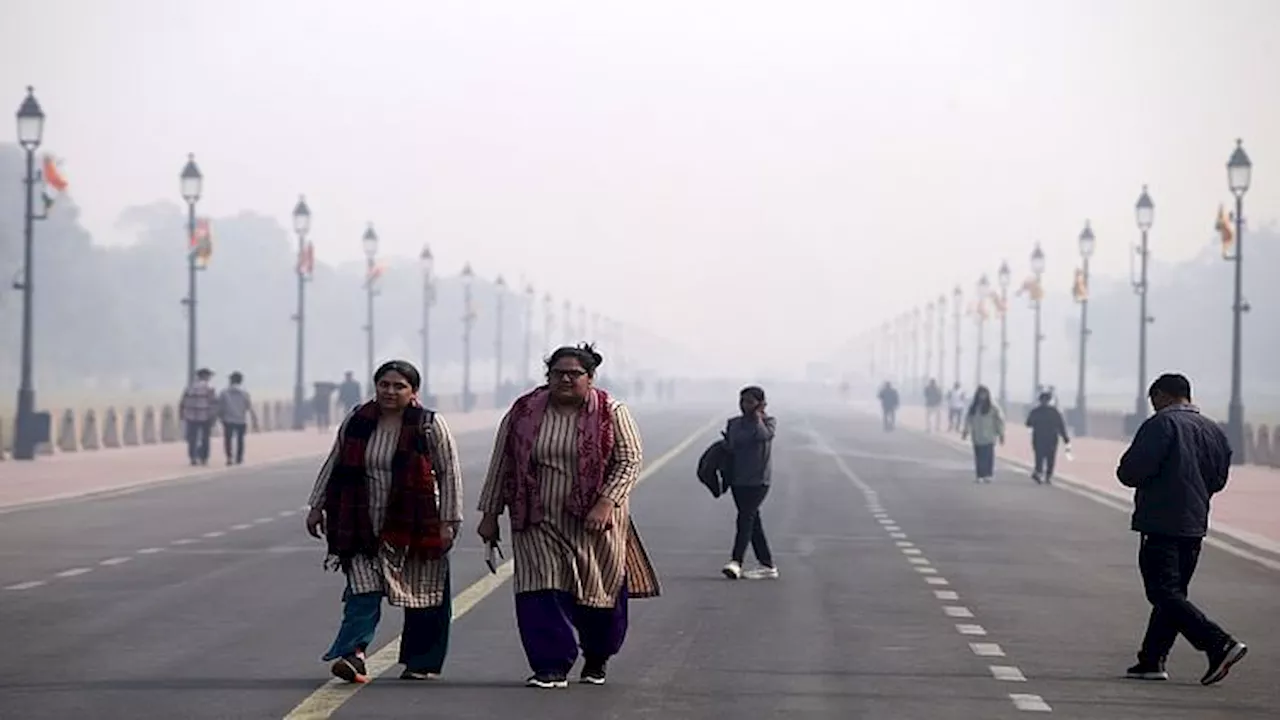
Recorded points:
(955, 409)
(198, 411)
(1177, 462)
(349, 393)
(1047, 426)
(933, 406)
(750, 440)
(985, 424)
(889, 400)
(235, 410)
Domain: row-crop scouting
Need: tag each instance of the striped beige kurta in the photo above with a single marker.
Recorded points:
(559, 553)
(407, 582)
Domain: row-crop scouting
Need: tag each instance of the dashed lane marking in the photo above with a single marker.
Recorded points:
(1029, 703)
(912, 551)
(1008, 673)
(214, 534)
(263, 521)
(26, 585)
(946, 595)
(73, 572)
(919, 561)
(971, 629)
(937, 581)
(184, 541)
(150, 551)
(115, 561)
(898, 535)
(241, 526)
(986, 649)
(957, 611)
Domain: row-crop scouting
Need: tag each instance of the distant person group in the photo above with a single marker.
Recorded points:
(202, 405)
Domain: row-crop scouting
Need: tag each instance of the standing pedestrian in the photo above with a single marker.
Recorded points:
(889, 400)
(198, 409)
(1047, 426)
(389, 501)
(235, 410)
(932, 406)
(565, 460)
(750, 443)
(1177, 462)
(349, 393)
(985, 424)
(956, 403)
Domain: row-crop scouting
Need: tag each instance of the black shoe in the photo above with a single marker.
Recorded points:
(593, 672)
(350, 668)
(1221, 660)
(547, 681)
(1147, 671)
(409, 674)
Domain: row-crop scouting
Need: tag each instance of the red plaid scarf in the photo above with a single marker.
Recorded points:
(521, 488)
(412, 521)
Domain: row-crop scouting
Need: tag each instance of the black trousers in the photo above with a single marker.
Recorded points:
(1046, 457)
(233, 441)
(748, 500)
(1167, 564)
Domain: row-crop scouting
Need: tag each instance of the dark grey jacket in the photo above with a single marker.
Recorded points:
(751, 447)
(1177, 461)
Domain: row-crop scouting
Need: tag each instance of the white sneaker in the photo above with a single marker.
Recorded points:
(732, 570)
(761, 573)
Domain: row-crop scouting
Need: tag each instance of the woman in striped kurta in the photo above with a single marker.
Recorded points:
(564, 463)
(416, 581)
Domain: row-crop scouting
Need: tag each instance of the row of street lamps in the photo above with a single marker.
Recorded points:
(1239, 175)
(33, 428)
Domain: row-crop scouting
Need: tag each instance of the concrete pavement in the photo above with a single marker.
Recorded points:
(907, 592)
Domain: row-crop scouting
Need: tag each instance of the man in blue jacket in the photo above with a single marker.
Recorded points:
(1177, 461)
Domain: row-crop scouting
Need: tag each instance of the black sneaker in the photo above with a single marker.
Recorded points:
(1221, 660)
(350, 668)
(593, 672)
(1147, 671)
(419, 675)
(547, 681)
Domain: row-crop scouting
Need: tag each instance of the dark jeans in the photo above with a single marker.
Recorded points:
(198, 441)
(984, 460)
(890, 418)
(1046, 456)
(233, 441)
(424, 642)
(1167, 564)
(750, 530)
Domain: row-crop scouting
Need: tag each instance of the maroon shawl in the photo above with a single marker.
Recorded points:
(412, 521)
(521, 488)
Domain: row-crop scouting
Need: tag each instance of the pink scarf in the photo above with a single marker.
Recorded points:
(521, 488)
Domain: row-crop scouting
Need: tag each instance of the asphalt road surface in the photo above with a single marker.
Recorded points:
(906, 592)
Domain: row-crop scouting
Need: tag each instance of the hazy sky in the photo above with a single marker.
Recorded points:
(734, 175)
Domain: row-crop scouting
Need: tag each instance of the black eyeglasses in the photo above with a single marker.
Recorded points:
(566, 374)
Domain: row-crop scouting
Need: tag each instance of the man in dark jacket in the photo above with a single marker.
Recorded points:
(749, 438)
(1178, 460)
(1047, 426)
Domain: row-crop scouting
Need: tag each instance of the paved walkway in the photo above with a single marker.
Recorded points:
(1248, 511)
(69, 475)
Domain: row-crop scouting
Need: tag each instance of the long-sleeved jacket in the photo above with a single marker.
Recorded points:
(985, 428)
(1047, 425)
(1177, 461)
(750, 441)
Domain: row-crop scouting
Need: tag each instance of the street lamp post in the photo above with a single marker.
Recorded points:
(1239, 172)
(1004, 276)
(928, 337)
(548, 322)
(1087, 243)
(957, 299)
(1145, 213)
(428, 300)
(980, 313)
(500, 292)
(370, 242)
(31, 427)
(468, 319)
(568, 322)
(1037, 270)
(192, 184)
(529, 297)
(301, 226)
(942, 340)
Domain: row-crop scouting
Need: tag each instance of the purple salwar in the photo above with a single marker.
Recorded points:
(547, 620)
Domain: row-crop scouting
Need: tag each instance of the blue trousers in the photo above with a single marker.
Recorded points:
(424, 642)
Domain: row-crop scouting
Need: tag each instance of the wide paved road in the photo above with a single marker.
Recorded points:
(897, 571)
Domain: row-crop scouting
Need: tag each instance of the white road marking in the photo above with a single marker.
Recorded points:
(1007, 673)
(1029, 703)
(904, 544)
(957, 611)
(26, 585)
(150, 551)
(893, 528)
(885, 521)
(325, 701)
(115, 561)
(73, 572)
(287, 513)
(927, 570)
(214, 534)
(263, 521)
(971, 629)
(184, 541)
(986, 649)
(241, 526)
(304, 508)
(946, 594)
(898, 535)
(918, 561)
(912, 551)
